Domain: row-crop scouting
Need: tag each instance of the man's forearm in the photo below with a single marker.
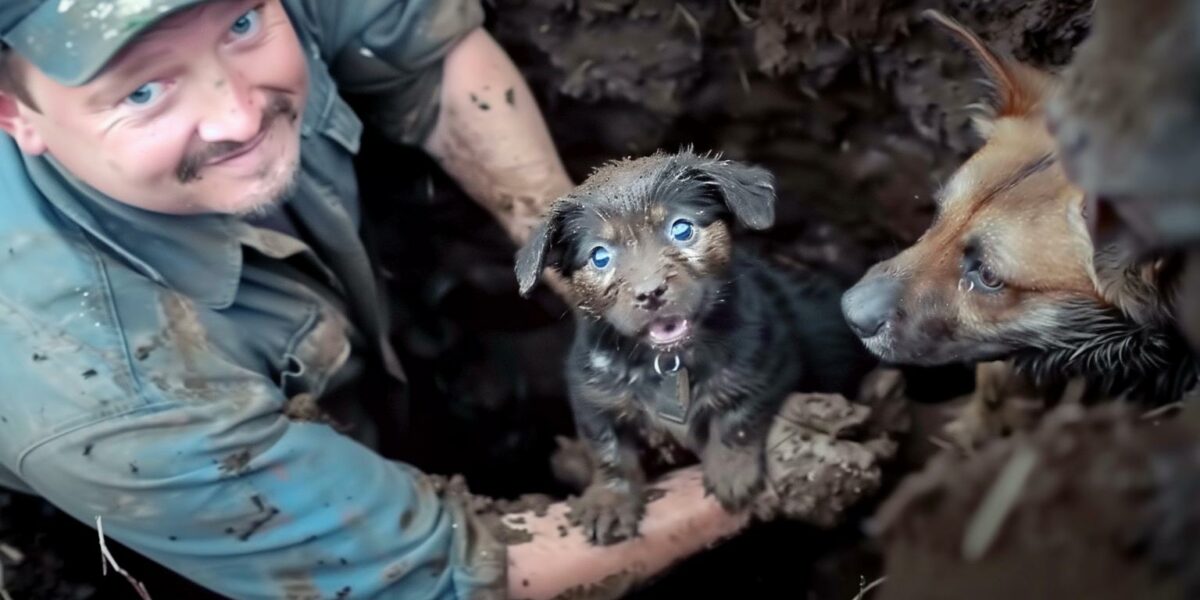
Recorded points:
(677, 525)
(490, 136)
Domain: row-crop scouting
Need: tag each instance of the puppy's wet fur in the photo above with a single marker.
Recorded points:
(1008, 269)
(747, 334)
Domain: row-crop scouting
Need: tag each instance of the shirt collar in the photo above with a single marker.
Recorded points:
(199, 255)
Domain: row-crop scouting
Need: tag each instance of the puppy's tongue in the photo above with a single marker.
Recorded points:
(663, 332)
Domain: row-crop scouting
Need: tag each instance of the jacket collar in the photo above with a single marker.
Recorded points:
(199, 255)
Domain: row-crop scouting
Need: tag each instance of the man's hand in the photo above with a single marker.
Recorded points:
(823, 455)
(682, 522)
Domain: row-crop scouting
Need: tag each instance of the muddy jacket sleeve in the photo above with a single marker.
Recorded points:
(386, 55)
(227, 491)
(230, 493)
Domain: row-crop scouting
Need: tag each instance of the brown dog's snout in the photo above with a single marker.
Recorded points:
(870, 304)
(649, 293)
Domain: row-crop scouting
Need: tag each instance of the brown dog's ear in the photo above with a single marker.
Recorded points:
(542, 248)
(748, 191)
(1138, 285)
(1020, 89)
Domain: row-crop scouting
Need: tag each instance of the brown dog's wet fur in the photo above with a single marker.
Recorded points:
(1008, 269)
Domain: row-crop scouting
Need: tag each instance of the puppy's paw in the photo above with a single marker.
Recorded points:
(607, 515)
(735, 475)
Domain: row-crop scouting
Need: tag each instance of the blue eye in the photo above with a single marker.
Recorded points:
(682, 230)
(601, 257)
(247, 23)
(146, 94)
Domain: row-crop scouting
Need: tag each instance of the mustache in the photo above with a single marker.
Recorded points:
(280, 106)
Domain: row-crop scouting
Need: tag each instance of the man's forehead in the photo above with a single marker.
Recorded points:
(166, 27)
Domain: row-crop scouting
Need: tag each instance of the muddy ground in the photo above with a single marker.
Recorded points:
(859, 108)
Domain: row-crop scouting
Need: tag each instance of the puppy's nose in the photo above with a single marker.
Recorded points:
(649, 294)
(870, 304)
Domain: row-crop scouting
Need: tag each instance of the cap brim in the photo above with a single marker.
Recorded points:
(72, 41)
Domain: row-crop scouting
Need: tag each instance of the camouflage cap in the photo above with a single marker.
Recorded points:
(72, 40)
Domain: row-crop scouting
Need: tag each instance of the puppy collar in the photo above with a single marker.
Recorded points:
(667, 370)
(674, 398)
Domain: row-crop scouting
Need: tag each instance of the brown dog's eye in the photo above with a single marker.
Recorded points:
(977, 275)
(988, 278)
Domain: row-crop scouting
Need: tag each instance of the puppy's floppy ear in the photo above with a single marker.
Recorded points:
(1020, 89)
(748, 191)
(544, 246)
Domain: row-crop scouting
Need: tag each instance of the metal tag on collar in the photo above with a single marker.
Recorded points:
(674, 395)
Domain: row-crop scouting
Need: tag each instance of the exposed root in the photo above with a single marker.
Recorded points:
(106, 558)
(862, 592)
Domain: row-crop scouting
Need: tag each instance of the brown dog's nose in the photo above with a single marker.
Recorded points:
(649, 294)
(869, 305)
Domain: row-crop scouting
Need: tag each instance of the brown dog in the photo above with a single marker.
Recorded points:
(1008, 268)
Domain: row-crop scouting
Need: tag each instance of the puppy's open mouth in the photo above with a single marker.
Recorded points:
(668, 331)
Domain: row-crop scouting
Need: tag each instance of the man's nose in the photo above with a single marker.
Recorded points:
(870, 304)
(230, 112)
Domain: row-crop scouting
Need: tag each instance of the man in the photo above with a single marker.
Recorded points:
(180, 268)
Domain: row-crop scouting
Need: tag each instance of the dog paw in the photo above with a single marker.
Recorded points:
(734, 475)
(606, 515)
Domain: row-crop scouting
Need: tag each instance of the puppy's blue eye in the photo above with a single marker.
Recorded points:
(682, 230)
(601, 257)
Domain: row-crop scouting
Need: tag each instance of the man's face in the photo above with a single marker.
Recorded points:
(200, 114)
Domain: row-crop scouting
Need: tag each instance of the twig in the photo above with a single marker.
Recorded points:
(579, 71)
(106, 558)
(862, 591)
(691, 21)
(1160, 411)
(986, 522)
(742, 17)
(743, 78)
(3, 591)
(14, 556)
(942, 444)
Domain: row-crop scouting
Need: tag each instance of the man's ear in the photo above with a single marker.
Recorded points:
(15, 122)
(747, 191)
(544, 248)
(1019, 89)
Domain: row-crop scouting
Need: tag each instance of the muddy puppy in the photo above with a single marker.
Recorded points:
(677, 330)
